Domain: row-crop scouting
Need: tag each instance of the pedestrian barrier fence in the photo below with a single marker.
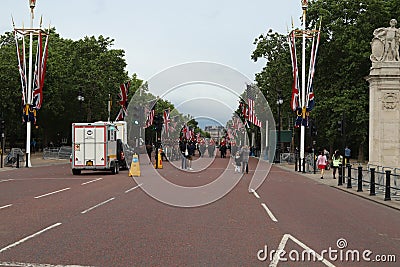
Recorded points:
(14, 155)
(375, 179)
(63, 152)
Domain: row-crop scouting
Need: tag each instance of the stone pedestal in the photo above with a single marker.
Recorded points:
(384, 113)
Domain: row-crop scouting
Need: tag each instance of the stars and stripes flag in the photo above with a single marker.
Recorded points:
(150, 116)
(294, 103)
(123, 96)
(252, 117)
(167, 120)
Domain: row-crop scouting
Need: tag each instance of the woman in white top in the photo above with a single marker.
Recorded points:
(321, 163)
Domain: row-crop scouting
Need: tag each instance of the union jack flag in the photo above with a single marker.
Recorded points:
(167, 119)
(123, 95)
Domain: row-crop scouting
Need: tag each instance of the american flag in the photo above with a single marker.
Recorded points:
(150, 116)
(123, 95)
(167, 119)
(252, 117)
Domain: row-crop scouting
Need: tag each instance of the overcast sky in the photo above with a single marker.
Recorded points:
(158, 34)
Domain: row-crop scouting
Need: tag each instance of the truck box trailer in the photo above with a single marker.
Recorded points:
(94, 147)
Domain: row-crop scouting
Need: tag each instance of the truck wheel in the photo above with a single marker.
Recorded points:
(76, 172)
(114, 169)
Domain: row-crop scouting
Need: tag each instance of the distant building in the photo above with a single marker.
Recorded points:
(216, 132)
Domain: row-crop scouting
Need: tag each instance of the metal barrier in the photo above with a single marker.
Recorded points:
(378, 180)
(287, 157)
(63, 152)
(15, 155)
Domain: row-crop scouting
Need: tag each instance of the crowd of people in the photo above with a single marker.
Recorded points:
(187, 150)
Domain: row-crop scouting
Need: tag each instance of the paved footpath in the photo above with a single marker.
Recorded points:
(329, 181)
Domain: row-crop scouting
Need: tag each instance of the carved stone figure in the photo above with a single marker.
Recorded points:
(385, 44)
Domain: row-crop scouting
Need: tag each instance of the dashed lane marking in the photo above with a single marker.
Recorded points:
(52, 193)
(8, 180)
(133, 188)
(6, 206)
(23, 264)
(92, 181)
(269, 212)
(98, 205)
(29, 237)
(255, 193)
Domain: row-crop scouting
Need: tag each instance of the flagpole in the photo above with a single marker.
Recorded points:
(303, 84)
(29, 93)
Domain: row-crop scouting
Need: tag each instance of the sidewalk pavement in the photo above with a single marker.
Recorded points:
(329, 181)
(37, 160)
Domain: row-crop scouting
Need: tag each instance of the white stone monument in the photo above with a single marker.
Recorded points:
(384, 95)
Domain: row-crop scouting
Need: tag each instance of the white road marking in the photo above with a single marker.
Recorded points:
(254, 193)
(6, 206)
(133, 188)
(23, 264)
(269, 212)
(29, 237)
(282, 245)
(95, 180)
(98, 205)
(51, 193)
(6, 180)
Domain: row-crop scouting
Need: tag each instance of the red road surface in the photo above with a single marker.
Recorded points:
(112, 222)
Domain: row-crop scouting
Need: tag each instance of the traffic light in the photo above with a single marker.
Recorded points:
(340, 127)
(2, 126)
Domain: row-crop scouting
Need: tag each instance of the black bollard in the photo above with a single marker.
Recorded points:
(387, 189)
(372, 183)
(359, 189)
(349, 176)
(17, 166)
(340, 180)
(295, 162)
(304, 165)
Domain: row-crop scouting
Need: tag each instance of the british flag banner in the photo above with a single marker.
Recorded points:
(251, 96)
(123, 102)
(294, 103)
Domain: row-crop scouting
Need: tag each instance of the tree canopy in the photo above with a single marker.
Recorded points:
(342, 65)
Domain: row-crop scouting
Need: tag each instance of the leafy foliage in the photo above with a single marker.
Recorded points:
(342, 65)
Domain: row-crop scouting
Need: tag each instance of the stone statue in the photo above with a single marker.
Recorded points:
(385, 44)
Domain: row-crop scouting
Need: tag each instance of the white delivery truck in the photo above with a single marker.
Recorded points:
(94, 147)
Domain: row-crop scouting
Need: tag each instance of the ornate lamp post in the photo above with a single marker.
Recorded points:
(32, 80)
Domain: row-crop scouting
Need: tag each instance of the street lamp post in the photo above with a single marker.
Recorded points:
(279, 102)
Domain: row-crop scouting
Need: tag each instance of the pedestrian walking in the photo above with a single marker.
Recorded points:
(184, 153)
(336, 161)
(238, 162)
(149, 150)
(245, 154)
(322, 162)
(347, 154)
(191, 149)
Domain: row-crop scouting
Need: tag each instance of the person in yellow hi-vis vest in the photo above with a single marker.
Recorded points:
(337, 159)
(134, 170)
